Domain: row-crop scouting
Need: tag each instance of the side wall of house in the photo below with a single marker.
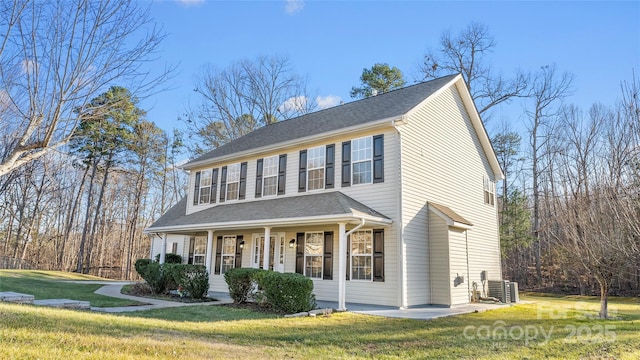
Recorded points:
(444, 162)
(438, 290)
(458, 270)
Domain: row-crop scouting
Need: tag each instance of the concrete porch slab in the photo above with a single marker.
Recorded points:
(16, 298)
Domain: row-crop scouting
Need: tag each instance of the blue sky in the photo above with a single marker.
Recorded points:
(330, 42)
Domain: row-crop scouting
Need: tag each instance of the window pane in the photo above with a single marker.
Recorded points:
(270, 166)
(205, 178)
(204, 195)
(270, 186)
(200, 245)
(232, 191)
(362, 172)
(316, 179)
(313, 266)
(313, 243)
(233, 172)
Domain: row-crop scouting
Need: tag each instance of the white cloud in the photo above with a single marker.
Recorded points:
(296, 104)
(293, 6)
(188, 3)
(327, 101)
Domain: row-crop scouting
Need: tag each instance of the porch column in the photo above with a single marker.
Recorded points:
(266, 251)
(163, 248)
(207, 259)
(342, 266)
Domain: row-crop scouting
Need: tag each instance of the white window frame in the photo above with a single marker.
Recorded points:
(204, 197)
(489, 191)
(362, 153)
(318, 253)
(228, 259)
(199, 253)
(316, 161)
(362, 241)
(233, 178)
(270, 172)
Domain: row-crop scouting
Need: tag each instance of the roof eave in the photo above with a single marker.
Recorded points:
(381, 123)
(284, 222)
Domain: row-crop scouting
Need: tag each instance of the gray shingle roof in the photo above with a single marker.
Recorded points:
(394, 103)
(303, 206)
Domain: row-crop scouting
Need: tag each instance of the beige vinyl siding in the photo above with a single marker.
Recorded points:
(458, 266)
(443, 161)
(438, 271)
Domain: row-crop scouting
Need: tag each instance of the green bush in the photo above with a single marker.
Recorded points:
(154, 274)
(288, 292)
(174, 274)
(170, 258)
(242, 282)
(195, 280)
(140, 264)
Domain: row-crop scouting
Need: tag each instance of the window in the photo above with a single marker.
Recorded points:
(489, 191)
(198, 250)
(361, 157)
(270, 176)
(205, 186)
(363, 161)
(233, 181)
(172, 248)
(313, 254)
(315, 168)
(361, 255)
(228, 253)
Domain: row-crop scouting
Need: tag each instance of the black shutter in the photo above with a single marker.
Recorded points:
(328, 256)
(348, 257)
(302, 174)
(196, 190)
(223, 183)
(190, 256)
(329, 170)
(243, 181)
(218, 262)
(300, 253)
(378, 255)
(282, 174)
(259, 178)
(214, 185)
(238, 262)
(378, 158)
(346, 163)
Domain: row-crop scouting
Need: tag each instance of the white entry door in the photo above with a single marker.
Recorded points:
(276, 252)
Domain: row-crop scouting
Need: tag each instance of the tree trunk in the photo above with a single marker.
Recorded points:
(604, 299)
(87, 217)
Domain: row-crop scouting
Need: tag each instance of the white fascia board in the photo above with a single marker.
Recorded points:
(296, 142)
(248, 224)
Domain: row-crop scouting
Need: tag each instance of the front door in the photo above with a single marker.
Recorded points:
(276, 252)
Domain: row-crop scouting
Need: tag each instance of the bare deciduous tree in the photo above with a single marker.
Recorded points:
(467, 53)
(242, 97)
(54, 56)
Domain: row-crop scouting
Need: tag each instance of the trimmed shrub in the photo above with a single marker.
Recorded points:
(170, 258)
(174, 274)
(153, 273)
(140, 264)
(289, 292)
(195, 280)
(242, 283)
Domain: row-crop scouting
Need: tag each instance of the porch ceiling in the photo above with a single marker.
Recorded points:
(311, 209)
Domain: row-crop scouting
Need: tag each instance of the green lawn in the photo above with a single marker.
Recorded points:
(552, 327)
(52, 285)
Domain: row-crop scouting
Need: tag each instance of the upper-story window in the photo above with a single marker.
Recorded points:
(361, 158)
(270, 176)
(233, 181)
(315, 168)
(206, 186)
(363, 161)
(489, 191)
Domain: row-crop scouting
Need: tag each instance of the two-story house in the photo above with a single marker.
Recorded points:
(387, 200)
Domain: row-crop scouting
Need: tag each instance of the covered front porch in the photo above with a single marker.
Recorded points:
(329, 237)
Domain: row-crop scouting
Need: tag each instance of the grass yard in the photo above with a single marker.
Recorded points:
(552, 327)
(52, 285)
